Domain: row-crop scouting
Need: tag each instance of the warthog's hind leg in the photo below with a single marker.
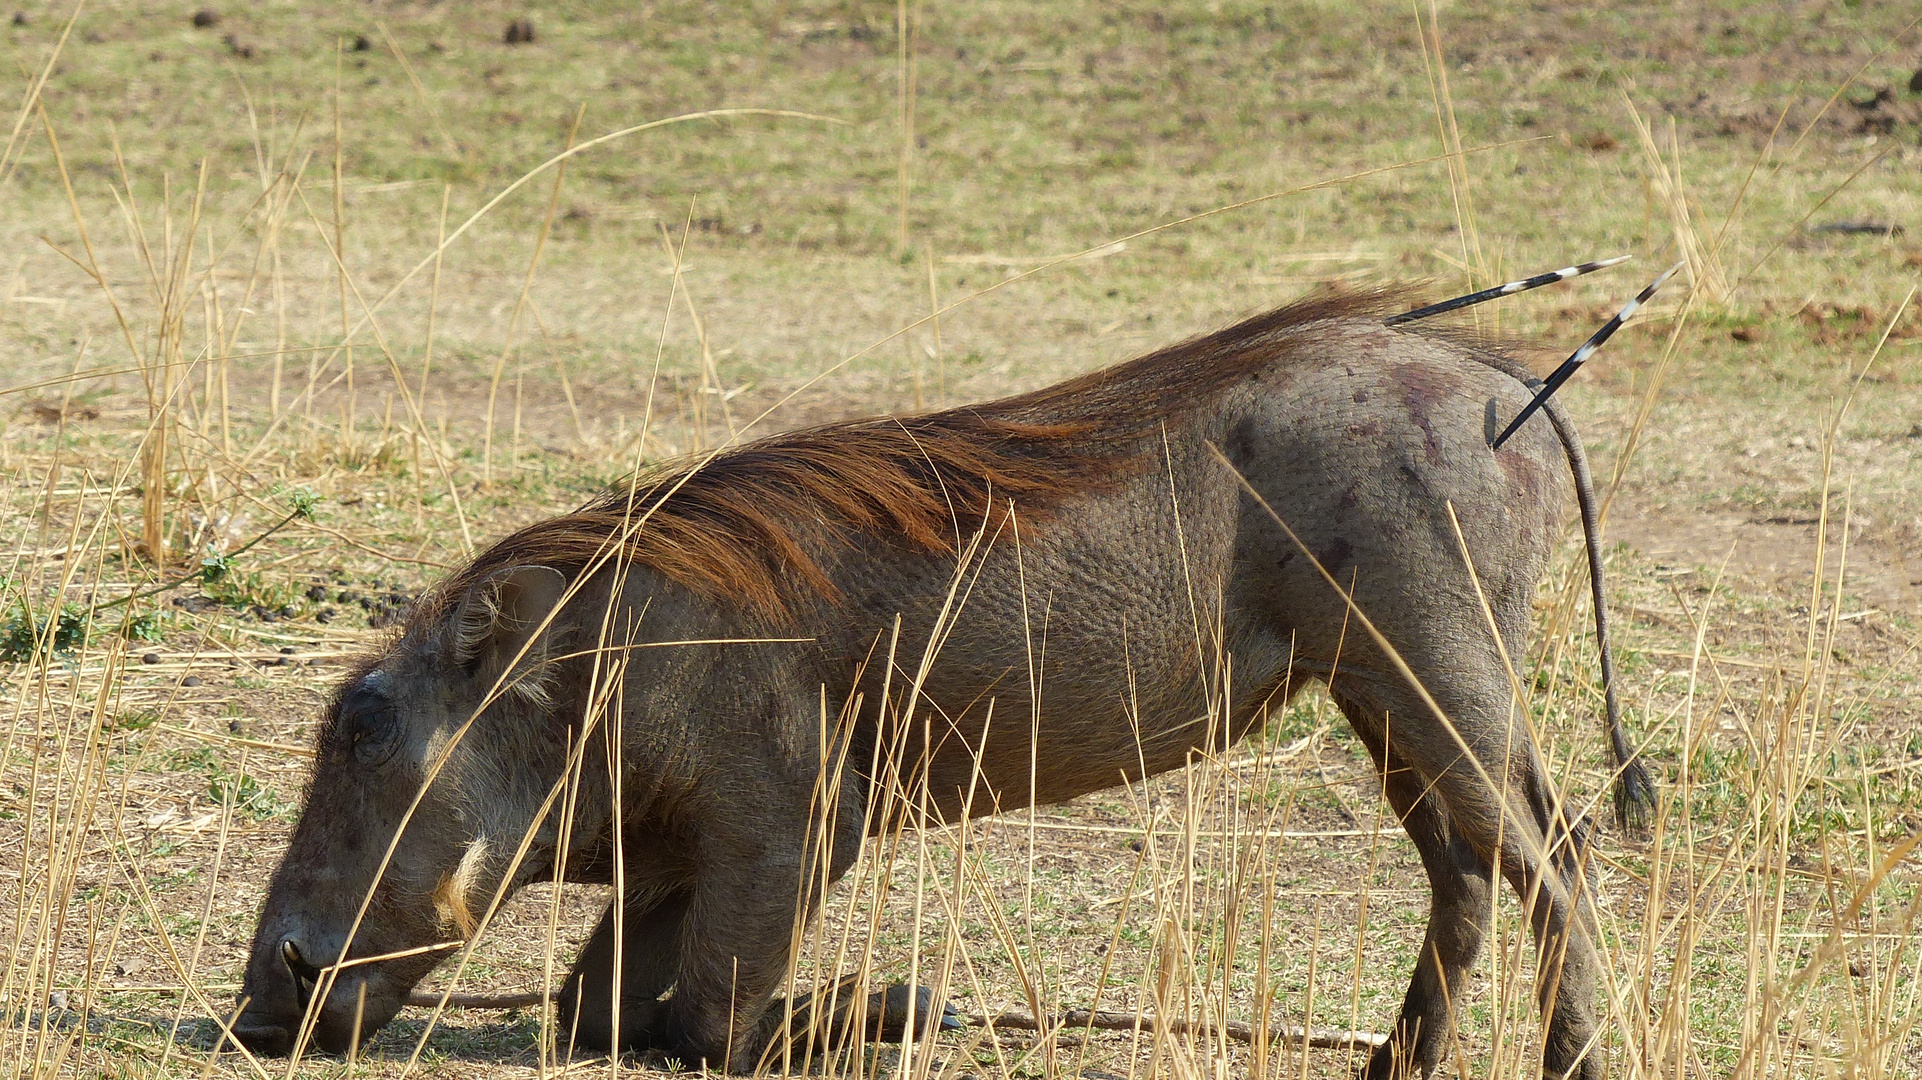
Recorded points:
(1466, 811)
(1460, 881)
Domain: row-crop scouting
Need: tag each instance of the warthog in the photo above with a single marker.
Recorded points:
(1129, 523)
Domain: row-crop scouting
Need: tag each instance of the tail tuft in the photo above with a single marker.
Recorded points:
(1634, 796)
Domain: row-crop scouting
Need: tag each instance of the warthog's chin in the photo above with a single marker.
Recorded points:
(270, 1031)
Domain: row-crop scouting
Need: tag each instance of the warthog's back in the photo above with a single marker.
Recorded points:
(1158, 610)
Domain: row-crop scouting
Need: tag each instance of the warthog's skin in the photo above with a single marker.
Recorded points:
(1145, 574)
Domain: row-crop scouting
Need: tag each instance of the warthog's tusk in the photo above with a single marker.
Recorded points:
(1509, 289)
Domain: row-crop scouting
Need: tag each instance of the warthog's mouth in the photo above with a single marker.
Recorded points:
(358, 1004)
(265, 1039)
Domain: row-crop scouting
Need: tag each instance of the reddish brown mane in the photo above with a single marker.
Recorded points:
(740, 525)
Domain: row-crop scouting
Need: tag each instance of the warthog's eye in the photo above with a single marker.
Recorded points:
(371, 723)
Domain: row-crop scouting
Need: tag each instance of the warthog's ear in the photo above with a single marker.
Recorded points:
(499, 615)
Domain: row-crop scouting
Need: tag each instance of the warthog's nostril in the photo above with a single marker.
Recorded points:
(305, 974)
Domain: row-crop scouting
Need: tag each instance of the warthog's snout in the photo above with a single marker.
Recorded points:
(278, 994)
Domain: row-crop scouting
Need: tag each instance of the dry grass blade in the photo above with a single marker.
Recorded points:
(1435, 61)
(8, 159)
(1705, 269)
(420, 92)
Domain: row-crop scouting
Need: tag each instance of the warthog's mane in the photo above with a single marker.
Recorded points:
(749, 524)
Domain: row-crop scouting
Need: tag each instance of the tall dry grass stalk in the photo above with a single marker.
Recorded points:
(521, 302)
(907, 31)
(1706, 276)
(1435, 61)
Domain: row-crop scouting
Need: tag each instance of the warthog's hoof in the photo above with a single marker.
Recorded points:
(830, 1019)
(891, 1012)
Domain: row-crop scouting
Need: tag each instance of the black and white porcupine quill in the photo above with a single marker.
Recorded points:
(1509, 289)
(1561, 374)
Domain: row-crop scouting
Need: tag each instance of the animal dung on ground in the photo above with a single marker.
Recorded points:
(519, 32)
(206, 18)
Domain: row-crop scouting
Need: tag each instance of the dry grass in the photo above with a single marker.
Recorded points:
(279, 353)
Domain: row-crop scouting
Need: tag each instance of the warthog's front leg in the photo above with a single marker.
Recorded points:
(835, 1016)
(649, 955)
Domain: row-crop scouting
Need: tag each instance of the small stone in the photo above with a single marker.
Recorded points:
(57, 999)
(206, 18)
(191, 680)
(150, 658)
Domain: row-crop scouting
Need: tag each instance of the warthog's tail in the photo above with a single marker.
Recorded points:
(1634, 786)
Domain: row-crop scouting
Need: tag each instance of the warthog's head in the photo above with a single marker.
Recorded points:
(397, 757)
